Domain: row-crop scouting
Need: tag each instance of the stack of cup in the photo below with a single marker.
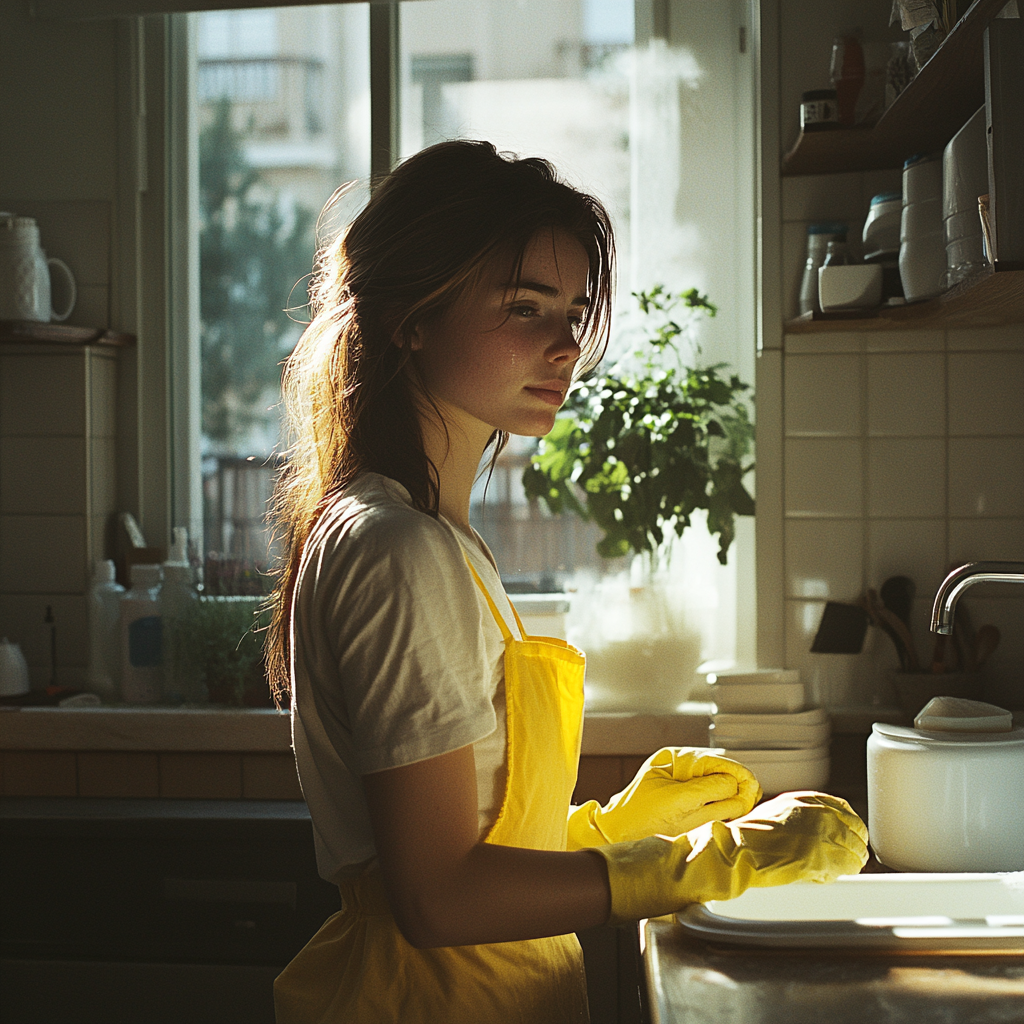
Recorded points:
(761, 721)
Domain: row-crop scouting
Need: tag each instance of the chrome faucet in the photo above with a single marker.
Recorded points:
(953, 586)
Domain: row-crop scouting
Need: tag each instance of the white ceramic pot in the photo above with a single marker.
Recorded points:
(946, 801)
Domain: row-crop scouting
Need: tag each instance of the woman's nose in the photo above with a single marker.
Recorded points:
(565, 348)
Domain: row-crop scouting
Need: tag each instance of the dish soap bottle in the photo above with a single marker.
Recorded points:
(178, 596)
(104, 612)
(142, 655)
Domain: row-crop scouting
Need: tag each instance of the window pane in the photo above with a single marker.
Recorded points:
(283, 116)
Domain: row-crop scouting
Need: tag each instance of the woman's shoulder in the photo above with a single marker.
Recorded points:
(373, 519)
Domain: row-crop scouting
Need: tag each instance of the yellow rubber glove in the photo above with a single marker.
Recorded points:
(675, 790)
(810, 837)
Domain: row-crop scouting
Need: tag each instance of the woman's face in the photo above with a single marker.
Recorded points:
(502, 357)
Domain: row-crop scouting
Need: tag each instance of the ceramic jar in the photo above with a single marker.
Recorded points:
(946, 801)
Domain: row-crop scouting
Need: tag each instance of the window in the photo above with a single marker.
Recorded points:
(656, 120)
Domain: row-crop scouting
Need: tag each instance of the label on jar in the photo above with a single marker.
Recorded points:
(819, 113)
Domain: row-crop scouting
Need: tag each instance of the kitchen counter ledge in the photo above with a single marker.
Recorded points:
(267, 730)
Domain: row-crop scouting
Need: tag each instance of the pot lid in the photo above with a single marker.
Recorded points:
(1015, 737)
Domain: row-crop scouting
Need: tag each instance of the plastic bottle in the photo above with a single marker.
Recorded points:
(104, 603)
(177, 595)
(818, 237)
(142, 659)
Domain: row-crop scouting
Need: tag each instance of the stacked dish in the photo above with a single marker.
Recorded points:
(760, 720)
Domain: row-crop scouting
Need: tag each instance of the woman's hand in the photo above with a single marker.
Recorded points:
(676, 789)
(811, 837)
(448, 888)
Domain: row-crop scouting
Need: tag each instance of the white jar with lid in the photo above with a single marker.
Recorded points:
(942, 799)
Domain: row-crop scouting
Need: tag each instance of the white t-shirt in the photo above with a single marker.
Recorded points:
(395, 658)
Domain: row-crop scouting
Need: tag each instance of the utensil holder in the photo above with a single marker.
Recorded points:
(915, 689)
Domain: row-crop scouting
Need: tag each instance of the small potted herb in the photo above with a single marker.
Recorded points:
(639, 449)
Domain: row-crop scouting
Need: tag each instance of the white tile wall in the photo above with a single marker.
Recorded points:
(824, 558)
(906, 477)
(823, 395)
(823, 477)
(940, 440)
(986, 393)
(57, 496)
(903, 455)
(906, 394)
(986, 476)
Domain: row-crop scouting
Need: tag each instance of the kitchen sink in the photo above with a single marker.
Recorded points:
(955, 912)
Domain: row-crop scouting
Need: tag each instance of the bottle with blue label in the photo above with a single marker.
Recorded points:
(142, 655)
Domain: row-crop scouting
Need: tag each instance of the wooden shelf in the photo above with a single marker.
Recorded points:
(991, 299)
(32, 332)
(923, 118)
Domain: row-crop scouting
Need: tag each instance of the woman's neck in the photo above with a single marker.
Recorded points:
(456, 455)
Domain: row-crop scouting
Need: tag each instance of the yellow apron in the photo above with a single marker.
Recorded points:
(358, 969)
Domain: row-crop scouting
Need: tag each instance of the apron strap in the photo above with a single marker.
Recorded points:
(505, 631)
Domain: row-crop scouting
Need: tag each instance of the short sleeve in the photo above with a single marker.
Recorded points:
(400, 672)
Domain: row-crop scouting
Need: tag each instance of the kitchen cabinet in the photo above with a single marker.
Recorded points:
(155, 910)
(923, 118)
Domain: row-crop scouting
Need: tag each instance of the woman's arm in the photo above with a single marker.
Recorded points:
(447, 888)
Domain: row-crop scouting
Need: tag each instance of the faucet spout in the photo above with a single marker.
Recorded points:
(953, 586)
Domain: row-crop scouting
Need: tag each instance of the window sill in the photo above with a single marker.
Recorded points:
(266, 730)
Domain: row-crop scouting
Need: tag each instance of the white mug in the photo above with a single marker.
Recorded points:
(25, 292)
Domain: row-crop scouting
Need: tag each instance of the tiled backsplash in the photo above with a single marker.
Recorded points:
(903, 453)
(57, 496)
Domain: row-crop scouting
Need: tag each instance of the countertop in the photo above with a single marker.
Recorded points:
(696, 983)
(252, 729)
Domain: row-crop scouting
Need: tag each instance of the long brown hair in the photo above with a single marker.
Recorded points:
(430, 228)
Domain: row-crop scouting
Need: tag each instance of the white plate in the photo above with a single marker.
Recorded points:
(904, 912)
(813, 716)
(761, 740)
(771, 697)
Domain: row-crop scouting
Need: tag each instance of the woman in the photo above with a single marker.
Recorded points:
(437, 746)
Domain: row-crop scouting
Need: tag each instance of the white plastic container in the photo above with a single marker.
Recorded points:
(104, 613)
(922, 241)
(964, 179)
(177, 595)
(881, 235)
(946, 801)
(142, 658)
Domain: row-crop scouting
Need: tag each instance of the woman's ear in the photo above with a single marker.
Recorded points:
(410, 338)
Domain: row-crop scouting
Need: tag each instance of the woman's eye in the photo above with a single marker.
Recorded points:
(524, 311)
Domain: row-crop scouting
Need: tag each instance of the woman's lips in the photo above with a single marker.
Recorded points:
(552, 397)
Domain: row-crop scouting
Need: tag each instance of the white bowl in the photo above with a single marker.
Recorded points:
(786, 771)
(856, 286)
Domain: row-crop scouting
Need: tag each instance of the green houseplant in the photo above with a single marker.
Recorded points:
(639, 449)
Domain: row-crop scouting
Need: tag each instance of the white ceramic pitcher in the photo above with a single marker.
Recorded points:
(25, 274)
